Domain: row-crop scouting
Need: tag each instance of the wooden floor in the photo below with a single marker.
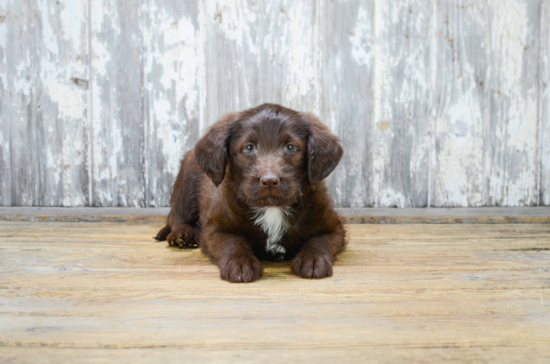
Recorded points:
(106, 292)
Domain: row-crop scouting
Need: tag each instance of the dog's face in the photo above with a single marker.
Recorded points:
(272, 153)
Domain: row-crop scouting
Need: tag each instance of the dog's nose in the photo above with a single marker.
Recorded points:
(269, 181)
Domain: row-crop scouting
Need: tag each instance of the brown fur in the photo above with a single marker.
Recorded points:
(220, 180)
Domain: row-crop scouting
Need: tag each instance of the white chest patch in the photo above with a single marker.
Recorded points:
(273, 221)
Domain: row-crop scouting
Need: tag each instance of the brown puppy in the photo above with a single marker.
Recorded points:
(252, 189)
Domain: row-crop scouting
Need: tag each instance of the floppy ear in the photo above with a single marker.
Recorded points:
(323, 150)
(211, 151)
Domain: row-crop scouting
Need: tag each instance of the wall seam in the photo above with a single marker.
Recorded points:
(202, 66)
(376, 95)
(540, 88)
(90, 113)
(35, 160)
(487, 110)
(145, 119)
(320, 44)
(429, 106)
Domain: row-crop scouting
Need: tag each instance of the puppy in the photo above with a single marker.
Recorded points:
(252, 189)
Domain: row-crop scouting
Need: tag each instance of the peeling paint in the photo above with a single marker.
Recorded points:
(435, 103)
(360, 38)
(543, 186)
(172, 87)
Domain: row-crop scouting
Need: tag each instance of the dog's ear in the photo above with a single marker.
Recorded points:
(212, 150)
(323, 149)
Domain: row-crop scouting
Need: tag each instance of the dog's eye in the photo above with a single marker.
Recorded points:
(249, 148)
(290, 148)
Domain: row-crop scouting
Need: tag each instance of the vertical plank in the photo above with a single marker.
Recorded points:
(61, 94)
(260, 52)
(544, 91)
(401, 140)
(19, 183)
(347, 85)
(5, 112)
(172, 105)
(458, 103)
(117, 117)
(512, 136)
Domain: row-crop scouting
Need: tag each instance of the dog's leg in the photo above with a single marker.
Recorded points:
(231, 253)
(317, 255)
(182, 229)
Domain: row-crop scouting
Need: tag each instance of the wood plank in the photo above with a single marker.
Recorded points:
(459, 103)
(62, 102)
(18, 73)
(5, 103)
(511, 153)
(44, 103)
(401, 140)
(347, 79)
(399, 292)
(254, 56)
(383, 354)
(544, 137)
(118, 172)
(171, 47)
(479, 215)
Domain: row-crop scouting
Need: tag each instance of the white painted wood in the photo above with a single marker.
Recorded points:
(511, 152)
(347, 100)
(459, 103)
(61, 88)
(261, 51)
(118, 135)
(44, 102)
(171, 92)
(544, 137)
(18, 107)
(440, 103)
(401, 131)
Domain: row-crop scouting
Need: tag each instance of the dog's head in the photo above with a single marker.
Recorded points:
(272, 152)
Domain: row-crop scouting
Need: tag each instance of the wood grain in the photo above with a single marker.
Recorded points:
(171, 47)
(62, 102)
(254, 56)
(118, 135)
(544, 82)
(478, 215)
(458, 103)
(347, 77)
(401, 135)
(512, 144)
(44, 90)
(18, 105)
(413, 293)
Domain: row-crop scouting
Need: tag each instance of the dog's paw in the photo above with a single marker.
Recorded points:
(163, 233)
(183, 237)
(242, 268)
(311, 265)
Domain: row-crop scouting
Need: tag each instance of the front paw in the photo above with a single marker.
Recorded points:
(241, 268)
(312, 265)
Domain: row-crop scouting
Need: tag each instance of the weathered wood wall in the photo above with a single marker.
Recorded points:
(437, 102)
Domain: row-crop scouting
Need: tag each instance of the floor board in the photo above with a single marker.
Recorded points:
(150, 215)
(106, 292)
